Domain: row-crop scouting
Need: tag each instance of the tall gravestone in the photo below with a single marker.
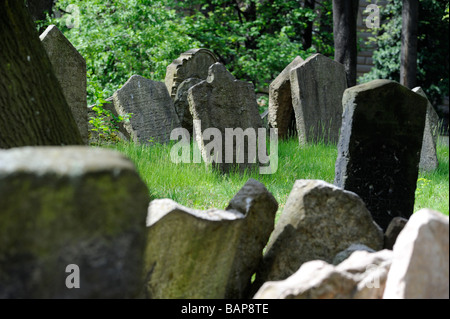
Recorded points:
(379, 147)
(153, 115)
(70, 70)
(428, 155)
(80, 207)
(281, 112)
(317, 86)
(190, 64)
(224, 103)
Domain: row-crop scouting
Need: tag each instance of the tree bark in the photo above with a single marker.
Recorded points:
(38, 8)
(307, 35)
(410, 23)
(33, 110)
(345, 14)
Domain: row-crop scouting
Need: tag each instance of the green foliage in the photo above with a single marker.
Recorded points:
(119, 38)
(256, 39)
(433, 33)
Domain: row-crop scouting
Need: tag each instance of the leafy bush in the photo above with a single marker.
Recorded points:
(119, 38)
(433, 33)
(257, 39)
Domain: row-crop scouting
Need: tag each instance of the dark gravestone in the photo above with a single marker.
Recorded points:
(379, 147)
(182, 105)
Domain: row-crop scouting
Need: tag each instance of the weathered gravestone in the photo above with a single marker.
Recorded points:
(66, 206)
(420, 267)
(207, 254)
(428, 155)
(379, 147)
(281, 112)
(182, 105)
(318, 221)
(190, 64)
(153, 115)
(361, 276)
(70, 69)
(317, 86)
(229, 106)
(393, 230)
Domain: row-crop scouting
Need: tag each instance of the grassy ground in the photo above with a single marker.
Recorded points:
(197, 186)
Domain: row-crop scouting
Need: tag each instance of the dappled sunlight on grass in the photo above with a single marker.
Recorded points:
(198, 186)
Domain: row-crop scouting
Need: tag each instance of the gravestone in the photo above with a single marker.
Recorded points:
(207, 254)
(182, 105)
(361, 276)
(319, 220)
(420, 267)
(222, 102)
(70, 70)
(281, 112)
(317, 86)
(65, 206)
(379, 147)
(428, 155)
(153, 115)
(193, 63)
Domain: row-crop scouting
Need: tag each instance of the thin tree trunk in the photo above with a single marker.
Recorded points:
(410, 23)
(33, 110)
(345, 14)
(307, 35)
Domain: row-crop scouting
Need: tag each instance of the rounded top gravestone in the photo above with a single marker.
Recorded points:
(193, 63)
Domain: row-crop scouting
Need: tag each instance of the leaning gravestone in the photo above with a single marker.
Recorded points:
(190, 64)
(66, 206)
(428, 155)
(225, 104)
(317, 86)
(318, 221)
(379, 147)
(70, 70)
(153, 115)
(207, 254)
(281, 113)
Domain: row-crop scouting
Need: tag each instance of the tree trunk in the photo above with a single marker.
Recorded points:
(39, 8)
(33, 110)
(345, 14)
(307, 34)
(410, 23)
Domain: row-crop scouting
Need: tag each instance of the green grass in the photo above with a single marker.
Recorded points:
(433, 187)
(197, 186)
